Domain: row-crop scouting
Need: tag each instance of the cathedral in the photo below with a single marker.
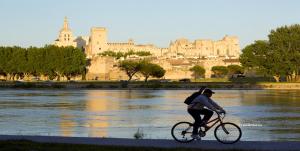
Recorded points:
(181, 54)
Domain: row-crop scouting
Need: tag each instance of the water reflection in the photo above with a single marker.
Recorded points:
(67, 124)
(96, 106)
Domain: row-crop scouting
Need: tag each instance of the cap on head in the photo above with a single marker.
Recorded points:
(209, 91)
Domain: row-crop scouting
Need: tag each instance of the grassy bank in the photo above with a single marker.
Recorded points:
(33, 146)
(149, 85)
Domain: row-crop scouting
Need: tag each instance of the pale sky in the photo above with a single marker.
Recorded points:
(37, 22)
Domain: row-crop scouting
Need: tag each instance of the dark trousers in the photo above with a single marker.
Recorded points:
(196, 115)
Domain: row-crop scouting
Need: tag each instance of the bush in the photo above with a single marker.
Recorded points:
(219, 71)
(235, 69)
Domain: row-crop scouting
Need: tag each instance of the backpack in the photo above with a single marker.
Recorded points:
(189, 99)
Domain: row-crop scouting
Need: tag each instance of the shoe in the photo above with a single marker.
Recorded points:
(205, 127)
(203, 124)
(196, 136)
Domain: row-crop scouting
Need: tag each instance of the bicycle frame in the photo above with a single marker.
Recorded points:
(215, 120)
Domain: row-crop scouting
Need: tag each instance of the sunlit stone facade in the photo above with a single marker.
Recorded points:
(177, 59)
(65, 37)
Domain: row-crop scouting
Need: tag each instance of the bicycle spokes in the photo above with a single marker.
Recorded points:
(182, 132)
(228, 133)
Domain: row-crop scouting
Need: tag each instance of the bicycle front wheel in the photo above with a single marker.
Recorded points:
(182, 132)
(228, 133)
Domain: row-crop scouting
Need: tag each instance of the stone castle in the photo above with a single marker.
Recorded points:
(177, 59)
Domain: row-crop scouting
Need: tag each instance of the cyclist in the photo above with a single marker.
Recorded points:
(196, 108)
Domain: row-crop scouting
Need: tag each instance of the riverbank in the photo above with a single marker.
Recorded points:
(113, 144)
(148, 85)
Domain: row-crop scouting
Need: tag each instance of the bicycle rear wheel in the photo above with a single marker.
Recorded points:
(182, 132)
(228, 133)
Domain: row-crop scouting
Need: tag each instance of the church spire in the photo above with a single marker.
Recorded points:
(66, 24)
(65, 37)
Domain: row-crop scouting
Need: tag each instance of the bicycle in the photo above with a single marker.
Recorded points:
(225, 132)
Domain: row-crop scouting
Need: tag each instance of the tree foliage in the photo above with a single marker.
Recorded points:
(118, 55)
(219, 71)
(49, 61)
(198, 71)
(130, 67)
(143, 67)
(285, 45)
(235, 69)
(277, 57)
(151, 70)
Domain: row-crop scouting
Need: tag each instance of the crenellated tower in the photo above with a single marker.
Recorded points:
(97, 41)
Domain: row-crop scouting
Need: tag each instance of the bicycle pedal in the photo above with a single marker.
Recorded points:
(202, 134)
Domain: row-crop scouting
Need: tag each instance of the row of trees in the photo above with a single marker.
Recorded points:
(49, 61)
(142, 67)
(118, 55)
(279, 56)
(218, 71)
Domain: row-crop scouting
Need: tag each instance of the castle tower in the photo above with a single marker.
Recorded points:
(233, 47)
(65, 37)
(97, 41)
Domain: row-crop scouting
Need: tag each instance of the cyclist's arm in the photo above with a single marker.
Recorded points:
(217, 106)
(204, 101)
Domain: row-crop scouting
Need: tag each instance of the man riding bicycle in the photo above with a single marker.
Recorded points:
(196, 108)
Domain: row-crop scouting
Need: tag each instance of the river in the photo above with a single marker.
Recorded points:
(263, 115)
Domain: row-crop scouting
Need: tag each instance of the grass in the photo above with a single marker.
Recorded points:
(211, 80)
(23, 145)
(220, 83)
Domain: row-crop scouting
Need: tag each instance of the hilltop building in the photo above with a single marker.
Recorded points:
(65, 37)
(177, 59)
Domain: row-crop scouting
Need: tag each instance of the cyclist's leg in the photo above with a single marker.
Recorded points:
(196, 115)
(207, 115)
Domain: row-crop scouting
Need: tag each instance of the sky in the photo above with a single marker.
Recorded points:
(37, 22)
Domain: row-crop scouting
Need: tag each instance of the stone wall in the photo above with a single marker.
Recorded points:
(106, 68)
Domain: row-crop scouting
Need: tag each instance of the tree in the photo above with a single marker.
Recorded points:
(235, 69)
(219, 71)
(254, 54)
(74, 62)
(260, 57)
(5, 54)
(50, 61)
(198, 71)
(285, 43)
(17, 62)
(158, 71)
(130, 67)
(149, 69)
(278, 57)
